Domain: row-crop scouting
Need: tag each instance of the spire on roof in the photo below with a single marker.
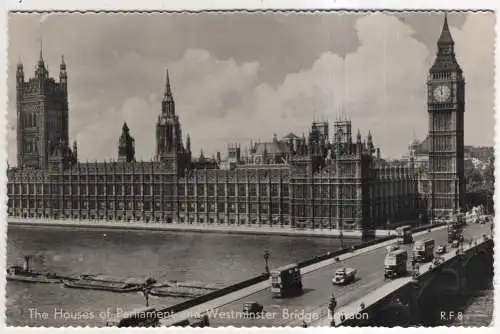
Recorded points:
(168, 91)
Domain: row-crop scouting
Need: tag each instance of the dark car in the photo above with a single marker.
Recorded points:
(252, 308)
(199, 321)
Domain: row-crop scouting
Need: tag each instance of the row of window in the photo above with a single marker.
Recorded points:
(212, 190)
(219, 207)
(148, 177)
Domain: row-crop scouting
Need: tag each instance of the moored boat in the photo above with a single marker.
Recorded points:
(19, 274)
(177, 291)
(91, 284)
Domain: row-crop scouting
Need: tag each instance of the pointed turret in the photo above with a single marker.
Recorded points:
(126, 146)
(168, 90)
(445, 37)
(188, 144)
(358, 137)
(63, 75)
(168, 106)
(40, 70)
(20, 73)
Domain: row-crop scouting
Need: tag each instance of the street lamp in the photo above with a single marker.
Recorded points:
(341, 239)
(266, 258)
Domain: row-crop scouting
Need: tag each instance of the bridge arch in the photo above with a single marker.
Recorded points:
(478, 270)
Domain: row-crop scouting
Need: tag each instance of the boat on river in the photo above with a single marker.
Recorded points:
(20, 274)
(24, 273)
(104, 283)
(177, 291)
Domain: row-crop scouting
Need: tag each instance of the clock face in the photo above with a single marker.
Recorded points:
(442, 93)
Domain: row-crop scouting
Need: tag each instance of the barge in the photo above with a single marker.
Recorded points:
(19, 274)
(90, 282)
(25, 274)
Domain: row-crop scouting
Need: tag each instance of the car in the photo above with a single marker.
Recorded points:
(441, 249)
(252, 308)
(199, 321)
(454, 244)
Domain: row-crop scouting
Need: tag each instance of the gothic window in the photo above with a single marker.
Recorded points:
(220, 207)
(253, 208)
(220, 190)
(211, 207)
(252, 190)
(241, 190)
(242, 208)
(284, 190)
(316, 190)
(274, 190)
(156, 189)
(210, 189)
(200, 191)
(231, 189)
(190, 189)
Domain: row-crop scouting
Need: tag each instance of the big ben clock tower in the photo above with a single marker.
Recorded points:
(446, 87)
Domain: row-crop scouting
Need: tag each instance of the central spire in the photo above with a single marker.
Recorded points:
(168, 91)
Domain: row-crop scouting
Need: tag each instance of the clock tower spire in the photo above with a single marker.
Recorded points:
(445, 101)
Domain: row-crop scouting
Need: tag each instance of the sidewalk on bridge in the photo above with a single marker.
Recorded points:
(197, 227)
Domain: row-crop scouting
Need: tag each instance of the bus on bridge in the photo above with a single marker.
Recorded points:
(286, 281)
(404, 234)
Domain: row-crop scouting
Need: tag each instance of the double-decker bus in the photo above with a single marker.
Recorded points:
(286, 281)
(404, 234)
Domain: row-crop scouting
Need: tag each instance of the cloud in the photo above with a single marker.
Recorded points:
(474, 49)
(380, 85)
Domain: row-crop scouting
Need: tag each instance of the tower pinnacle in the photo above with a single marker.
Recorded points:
(445, 37)
(168, 91)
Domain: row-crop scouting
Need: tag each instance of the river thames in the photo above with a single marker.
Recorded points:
(206, 257)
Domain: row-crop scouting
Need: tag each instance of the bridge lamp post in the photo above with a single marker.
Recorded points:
(266, 258)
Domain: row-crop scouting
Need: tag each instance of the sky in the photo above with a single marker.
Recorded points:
(242, 77)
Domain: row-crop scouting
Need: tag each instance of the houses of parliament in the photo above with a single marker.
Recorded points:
(332, 179)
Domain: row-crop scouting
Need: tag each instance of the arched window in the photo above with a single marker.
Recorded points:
(34, 120)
